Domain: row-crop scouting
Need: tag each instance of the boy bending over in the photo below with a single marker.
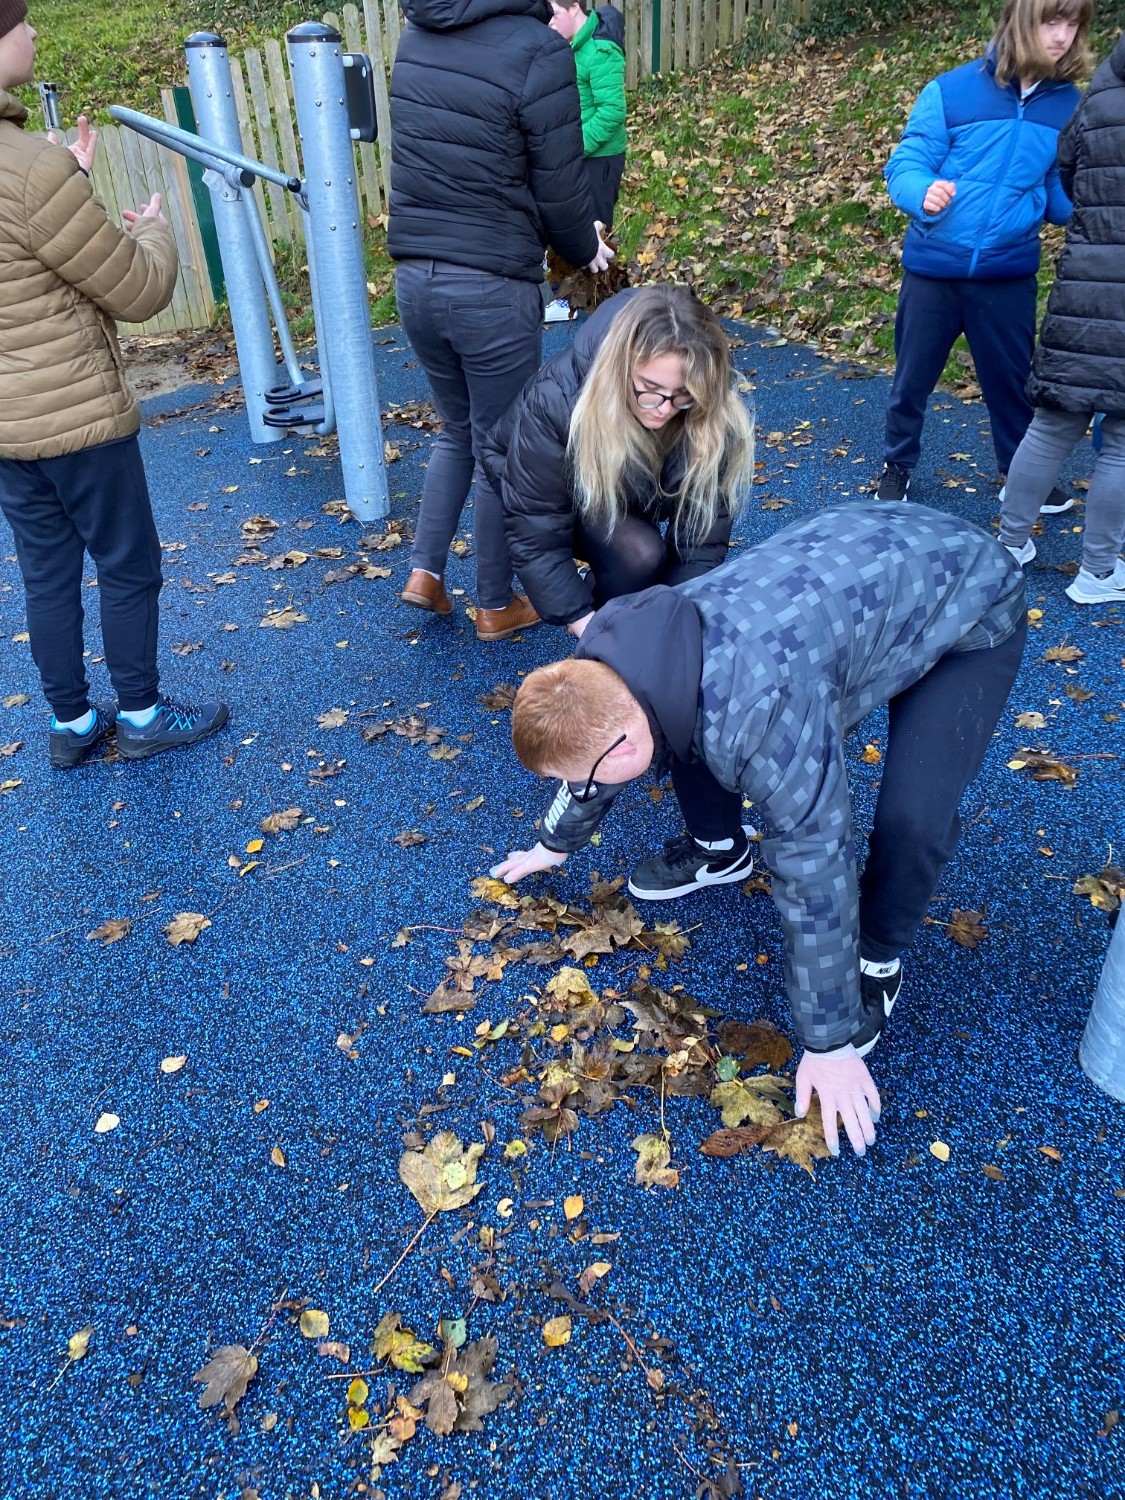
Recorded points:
(750, 677)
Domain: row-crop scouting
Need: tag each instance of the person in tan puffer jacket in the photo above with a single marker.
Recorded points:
(71, 475)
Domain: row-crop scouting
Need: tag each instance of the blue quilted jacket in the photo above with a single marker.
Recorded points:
(763, 666)
(1001, 153)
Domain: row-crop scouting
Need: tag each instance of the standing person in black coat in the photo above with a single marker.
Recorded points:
(632, 450)
(488, 170)
(1079, 366)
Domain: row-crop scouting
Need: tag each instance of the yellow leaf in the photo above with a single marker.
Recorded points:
(105, 1123)
(556, 1332)
(277, 1156)
(314, 1323)
(173, 1064)
(78, 1343)
(358, 1419)
(573, 1206)
(260, 1105)
(443, 1175)
(871, 755)
(940, 1150)
(400, 1347)
(255, 846)
(358, 1392)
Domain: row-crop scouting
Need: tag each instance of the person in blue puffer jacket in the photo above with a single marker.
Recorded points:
(976, 171)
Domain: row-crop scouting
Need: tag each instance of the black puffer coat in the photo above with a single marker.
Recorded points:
(525, 459)
(488, 165)
(1080, 362)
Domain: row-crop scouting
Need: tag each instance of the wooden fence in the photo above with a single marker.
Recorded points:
(660, 36)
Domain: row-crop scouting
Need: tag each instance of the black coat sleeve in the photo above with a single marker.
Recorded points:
(538, 503)
(552, 125)
(1068, 151)
(694, 558)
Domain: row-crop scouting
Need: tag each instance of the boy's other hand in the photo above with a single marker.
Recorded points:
(600, 261)
(521, 862)
(939, 195)
(576, 627)
(84, 148)
(149, 210)
(846, 1089)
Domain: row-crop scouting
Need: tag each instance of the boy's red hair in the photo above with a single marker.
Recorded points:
(569, 712)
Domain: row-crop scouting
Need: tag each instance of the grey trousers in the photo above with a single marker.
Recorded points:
(1035, 469)
(478, 337)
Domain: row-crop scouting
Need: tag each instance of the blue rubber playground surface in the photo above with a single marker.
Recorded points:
(897, 1326)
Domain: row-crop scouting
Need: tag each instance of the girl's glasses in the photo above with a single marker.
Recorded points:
(654, 400)
(587, 791)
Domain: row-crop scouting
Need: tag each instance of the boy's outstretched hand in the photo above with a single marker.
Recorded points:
(846, 1089)
(84, 148)
(149, 210)
(521, 862)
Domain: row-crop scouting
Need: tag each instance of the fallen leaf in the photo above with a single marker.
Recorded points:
(331, 1349)
(459, 1395)
(332, 718)
(106, 1122)
(762, 1101)
(1052, 1152)
(800, 1141)
(486, 889)
(17, 700)
(314, 1323)
(556, 1332)
(111, 931)
(10, 785)
(758, 1044)
(282, 822)
(78, 1343)
(994, 1174)
(443, 1175)
(227, 1374)
(399, 1347)
(967, 928)
(185, 927)
(1030, 721)
(284, 619)
(1044, 767)
(1063, 653)
(726, 1143)
(573, 1206)
(173, 1064)
(1105, 890)
(940, 1150)
(592, 1275)
(277, 1155)
(651, 1168)
(11, 747)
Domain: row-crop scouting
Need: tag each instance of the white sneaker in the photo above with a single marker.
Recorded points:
(1087, 589)
(1023, 555)
(558, 311)
(1054, 505)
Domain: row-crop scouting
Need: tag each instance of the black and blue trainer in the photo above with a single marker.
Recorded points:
(67, 748)
(172, 725)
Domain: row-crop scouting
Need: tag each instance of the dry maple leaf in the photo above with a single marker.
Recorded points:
(332, 718)
(281, 822)
(399, 1347)
(409, 838)
(570, 987)
(227, 1374)
(185, 927)
(1044, 767)
(1028, 720)
(800, 1141)
(967, 928)
(499, 698)
(486, 889)
(460, 1395)
(443, 1175)
(651, 1168)
(762, 1101)
(284, 619)
(1106, 891)
(111, 931)
(1064, 652)
(757, 1043)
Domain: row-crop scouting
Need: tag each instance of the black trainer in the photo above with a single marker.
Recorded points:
(687, 866)
(894, 483)
(66, 749)
(172, 724)
(878, 995)
(1055, 504)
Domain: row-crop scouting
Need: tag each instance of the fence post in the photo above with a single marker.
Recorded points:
(210, 79)
(343, 321)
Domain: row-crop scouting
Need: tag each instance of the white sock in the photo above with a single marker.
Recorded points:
(138, 717)
(879, 971)
(81, 725)
(429, 574)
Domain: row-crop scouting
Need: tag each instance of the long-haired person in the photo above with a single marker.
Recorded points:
(631, 451)
(975, 170)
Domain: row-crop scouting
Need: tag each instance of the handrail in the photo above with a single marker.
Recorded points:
(204, 152)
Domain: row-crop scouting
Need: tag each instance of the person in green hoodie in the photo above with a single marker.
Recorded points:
(597, 40)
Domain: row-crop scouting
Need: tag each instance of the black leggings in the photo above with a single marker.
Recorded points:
(632, 557)
(939, 731)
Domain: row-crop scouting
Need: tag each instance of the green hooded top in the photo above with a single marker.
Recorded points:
(601, 90)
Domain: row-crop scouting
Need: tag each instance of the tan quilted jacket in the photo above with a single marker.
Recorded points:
(66, 272)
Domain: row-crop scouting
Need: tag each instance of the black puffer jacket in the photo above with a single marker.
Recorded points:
(525, 458)
(1080, 362)
(488, 166)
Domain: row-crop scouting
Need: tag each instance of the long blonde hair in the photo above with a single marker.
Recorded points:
(1015, 44)
(606, 442)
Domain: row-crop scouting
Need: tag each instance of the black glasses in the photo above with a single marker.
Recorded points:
(587, 791)
(654, 400)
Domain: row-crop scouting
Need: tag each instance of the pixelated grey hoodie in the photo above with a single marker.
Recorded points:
(763, 666)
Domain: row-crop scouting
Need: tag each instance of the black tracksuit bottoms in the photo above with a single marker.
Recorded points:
(94, 501)
(939, 731)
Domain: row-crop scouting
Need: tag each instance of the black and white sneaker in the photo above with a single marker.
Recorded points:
(894, 483)
(687, 866)
(879, 985)
(1056, 503)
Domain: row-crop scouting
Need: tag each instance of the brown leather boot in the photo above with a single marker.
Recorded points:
(426, 592)
(499, 624)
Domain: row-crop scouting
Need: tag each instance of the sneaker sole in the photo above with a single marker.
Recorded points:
(701, 882)
(75, 758)
(1056, 510)
(1079, 598)
(146, 749)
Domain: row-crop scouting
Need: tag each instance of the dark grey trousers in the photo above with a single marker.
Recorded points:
(478, 337)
